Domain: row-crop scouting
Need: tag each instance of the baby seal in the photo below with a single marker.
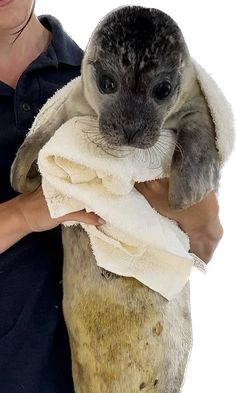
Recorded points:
(138, 79)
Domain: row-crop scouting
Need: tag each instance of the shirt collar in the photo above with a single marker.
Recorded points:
(62, 49)
(66, 51)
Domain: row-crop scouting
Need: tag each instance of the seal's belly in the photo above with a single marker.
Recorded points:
(124, 337)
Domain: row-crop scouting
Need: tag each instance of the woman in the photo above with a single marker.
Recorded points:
(36, 58)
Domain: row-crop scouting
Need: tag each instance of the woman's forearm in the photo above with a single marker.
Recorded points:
(29, 212)
(12, 224)
(201, 221)
(203, 241)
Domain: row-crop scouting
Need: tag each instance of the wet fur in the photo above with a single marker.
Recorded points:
(124, 337)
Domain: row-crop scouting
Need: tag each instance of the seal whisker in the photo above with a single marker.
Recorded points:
(154, 159)
(181, 151)
(102, 138)
(161, 148)
(105, 146)
(97, 139)
(159, 155)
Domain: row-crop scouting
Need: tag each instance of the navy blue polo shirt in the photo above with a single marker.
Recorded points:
(34, 348)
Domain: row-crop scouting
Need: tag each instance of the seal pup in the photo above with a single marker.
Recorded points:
(138, 78)
(146, 82)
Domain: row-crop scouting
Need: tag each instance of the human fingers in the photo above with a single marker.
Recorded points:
(82, 216)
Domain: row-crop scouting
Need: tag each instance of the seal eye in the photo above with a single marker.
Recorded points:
(106, 84)
(162, 90)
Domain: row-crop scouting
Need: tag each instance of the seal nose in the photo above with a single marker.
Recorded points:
(130, 132)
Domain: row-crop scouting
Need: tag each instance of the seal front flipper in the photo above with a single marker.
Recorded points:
(195, 167)
(64, 104)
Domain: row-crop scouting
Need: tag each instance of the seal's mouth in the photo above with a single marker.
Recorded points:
(153, 154)
(133, 131)
(123, 139)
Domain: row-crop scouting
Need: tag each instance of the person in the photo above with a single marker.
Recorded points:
(37, 58)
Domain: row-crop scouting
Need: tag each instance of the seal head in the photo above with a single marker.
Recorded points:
(133, 70)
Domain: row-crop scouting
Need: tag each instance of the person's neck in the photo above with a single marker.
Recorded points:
(15, 57)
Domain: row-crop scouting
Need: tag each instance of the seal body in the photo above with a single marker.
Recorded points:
(124, 337)
(137, 78)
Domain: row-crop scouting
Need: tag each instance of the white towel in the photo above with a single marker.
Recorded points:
(136, 241)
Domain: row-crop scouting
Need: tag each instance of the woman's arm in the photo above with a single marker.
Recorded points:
(28, 213)
(200, 221)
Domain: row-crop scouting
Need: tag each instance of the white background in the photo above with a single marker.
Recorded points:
(209, 30)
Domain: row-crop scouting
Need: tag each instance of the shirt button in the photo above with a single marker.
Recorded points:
(26, 107)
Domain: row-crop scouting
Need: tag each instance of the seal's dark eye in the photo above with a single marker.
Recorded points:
(162, 90)
(106, 84)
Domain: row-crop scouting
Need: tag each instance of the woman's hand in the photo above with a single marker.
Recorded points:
(32, 207)
(28, 213)
(200, 221)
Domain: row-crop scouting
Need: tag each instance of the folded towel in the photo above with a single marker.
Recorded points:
(136, 241)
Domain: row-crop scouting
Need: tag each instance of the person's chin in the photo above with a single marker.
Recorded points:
(14, 14)
(5, 3)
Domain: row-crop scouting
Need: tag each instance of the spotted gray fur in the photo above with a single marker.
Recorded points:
(141, 47)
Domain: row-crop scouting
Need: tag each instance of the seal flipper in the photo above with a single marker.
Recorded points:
(195, 167)
(64, 104)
